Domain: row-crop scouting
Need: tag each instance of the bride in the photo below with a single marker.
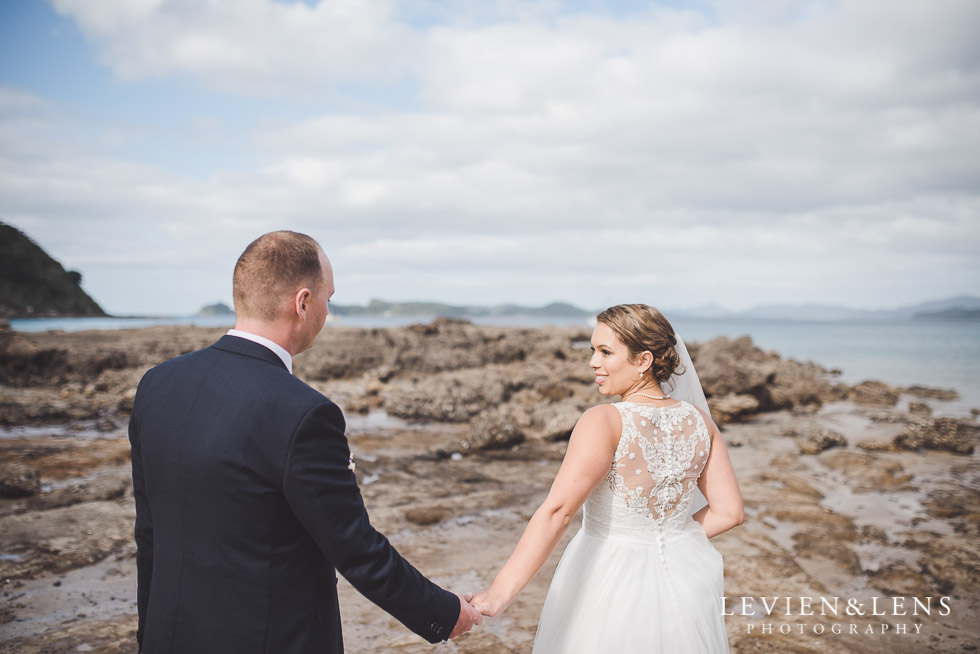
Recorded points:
(640, 577)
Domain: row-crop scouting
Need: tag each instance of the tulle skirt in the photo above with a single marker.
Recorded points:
(613, 592)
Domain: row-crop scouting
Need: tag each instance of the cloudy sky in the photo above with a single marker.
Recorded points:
(482, 151)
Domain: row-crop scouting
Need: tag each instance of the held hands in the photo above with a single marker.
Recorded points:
(472, 608)
(468, 616)
(487, 601)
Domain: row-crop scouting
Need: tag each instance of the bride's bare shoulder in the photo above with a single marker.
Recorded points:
(600, 426)
(604, 417)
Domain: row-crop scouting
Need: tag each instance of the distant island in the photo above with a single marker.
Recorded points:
(33, 285)
(216, 309)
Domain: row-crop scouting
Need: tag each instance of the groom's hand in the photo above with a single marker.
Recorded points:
(468, 616)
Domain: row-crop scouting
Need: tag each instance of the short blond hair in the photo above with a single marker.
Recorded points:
(271, 269)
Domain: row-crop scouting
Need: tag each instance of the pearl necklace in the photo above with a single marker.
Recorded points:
(652, 397)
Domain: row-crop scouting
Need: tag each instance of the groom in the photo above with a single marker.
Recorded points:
(246, 506)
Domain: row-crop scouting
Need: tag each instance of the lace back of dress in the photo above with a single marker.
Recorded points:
(660, 456)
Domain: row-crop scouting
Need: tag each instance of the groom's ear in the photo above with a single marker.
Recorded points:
(301, 301)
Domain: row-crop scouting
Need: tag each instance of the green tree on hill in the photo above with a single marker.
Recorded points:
(32, 284)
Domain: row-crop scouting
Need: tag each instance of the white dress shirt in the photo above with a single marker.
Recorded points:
(279, 350)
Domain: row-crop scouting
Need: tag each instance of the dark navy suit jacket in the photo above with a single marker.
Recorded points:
(246, 509)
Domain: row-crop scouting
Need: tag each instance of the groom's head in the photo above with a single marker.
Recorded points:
(281, 276)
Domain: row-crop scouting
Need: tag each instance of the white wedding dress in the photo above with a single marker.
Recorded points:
(640, 577)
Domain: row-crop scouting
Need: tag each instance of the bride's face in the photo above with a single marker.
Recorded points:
(614, 373)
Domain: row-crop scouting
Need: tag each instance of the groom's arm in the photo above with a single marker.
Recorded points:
(323, 494)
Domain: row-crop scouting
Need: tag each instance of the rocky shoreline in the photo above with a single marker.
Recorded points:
(851, 491)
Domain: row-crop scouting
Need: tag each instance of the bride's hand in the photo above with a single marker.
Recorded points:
(487, 602)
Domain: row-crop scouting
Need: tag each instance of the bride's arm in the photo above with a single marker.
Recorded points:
(587, 460)
(720, 487)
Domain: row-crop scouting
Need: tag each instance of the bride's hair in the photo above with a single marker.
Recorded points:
(644, 329)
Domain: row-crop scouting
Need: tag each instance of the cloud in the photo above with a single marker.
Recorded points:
(249, 46)
(535, 150)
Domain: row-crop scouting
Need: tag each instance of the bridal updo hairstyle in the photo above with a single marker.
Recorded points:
(644, 329)
(271, 269)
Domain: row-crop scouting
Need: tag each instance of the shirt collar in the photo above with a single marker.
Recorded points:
(280, 351)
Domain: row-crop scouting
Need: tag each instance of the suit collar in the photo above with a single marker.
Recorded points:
(244, 347)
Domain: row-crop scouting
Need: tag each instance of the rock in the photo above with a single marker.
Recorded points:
(899, 579)
(872, 445)
(799, 385)
(732, 367)
(493, 430)
(818, 441)
(483, 642)
(451, 396)
(887, 416)
(867, 473)
(732, 407)
(822, 533)
(932, 393)
(556, 391)
(359, 404)
(110, 485)
(445, 344)
(805, 409)
(790, 483)
(919, 409)
(874, 392)
(369, 400)
(811, 543)
(116, 636)
(18, 480)
(946, 434)
(737, 368)
(424, 516)
(65, 538)
(125, 404)
(952, 565)
(955, 502)
(559, 419)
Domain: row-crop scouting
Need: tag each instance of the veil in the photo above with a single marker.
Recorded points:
(687, 387)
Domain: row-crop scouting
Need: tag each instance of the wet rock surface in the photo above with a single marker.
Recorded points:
(932, 393)
(18, 480)
(874, 392)
(949, 434)
(817, 441)
(458, 431)
(736, 368)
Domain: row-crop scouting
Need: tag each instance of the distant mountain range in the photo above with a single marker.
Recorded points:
(962, 308)
(955, 314)
(382, 308)
(32, 284)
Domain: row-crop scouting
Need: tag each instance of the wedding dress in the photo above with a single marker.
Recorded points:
(640, 577)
